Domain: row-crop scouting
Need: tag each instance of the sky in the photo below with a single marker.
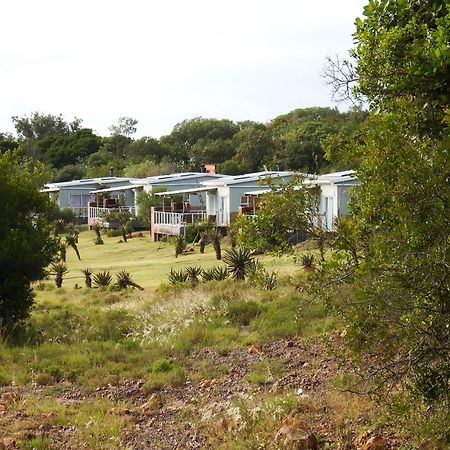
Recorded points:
(162, 62)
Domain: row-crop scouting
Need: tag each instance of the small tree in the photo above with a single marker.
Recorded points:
(118, 218)
(285, 211)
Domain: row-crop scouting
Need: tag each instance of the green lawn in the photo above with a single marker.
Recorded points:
(148, 262)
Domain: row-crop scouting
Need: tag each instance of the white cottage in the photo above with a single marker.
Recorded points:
(335, 195)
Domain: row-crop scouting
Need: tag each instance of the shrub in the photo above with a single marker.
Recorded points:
(113, 233)
(180, 245)
(243, 313)
(162, 365)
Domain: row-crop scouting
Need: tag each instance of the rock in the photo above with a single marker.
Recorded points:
(375, 443)
(154, 403)
(119, 411)
(207, 383)
(255, 348)
(290, 438)
(7, 443)
(9, 397)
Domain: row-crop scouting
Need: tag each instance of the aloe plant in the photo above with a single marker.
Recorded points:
(59, 269)
(177, 276)
(308, 262)
(102, 279)
(239, 262)
(214, 274)
(193, 273)
(87, 277)
(124, 280)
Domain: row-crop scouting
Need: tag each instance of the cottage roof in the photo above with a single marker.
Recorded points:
(85, 181)
(239, 179)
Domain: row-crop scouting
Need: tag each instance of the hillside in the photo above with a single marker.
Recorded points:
(224, 365)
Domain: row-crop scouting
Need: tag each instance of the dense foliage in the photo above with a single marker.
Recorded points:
(299, 140)
(390, 272)
(26, 242)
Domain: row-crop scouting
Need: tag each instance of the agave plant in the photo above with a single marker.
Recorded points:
(177, 276)
(180, 246)
(308, 262)
(193, 272)
(102, 279)
(59, 269)
(87, 277)
(239, 262)
(215, 274)
(124, 280)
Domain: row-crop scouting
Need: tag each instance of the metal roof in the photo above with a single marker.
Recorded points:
(117, 188)
(185, 191)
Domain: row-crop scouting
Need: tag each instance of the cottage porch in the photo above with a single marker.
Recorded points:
(174, 223)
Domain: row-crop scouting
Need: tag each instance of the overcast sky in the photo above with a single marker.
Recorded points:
(161, 62)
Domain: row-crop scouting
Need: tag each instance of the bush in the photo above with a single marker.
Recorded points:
(5, 377)
(162, 365)
(113, 233)
(243, 313)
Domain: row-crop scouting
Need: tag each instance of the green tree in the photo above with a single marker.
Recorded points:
(144, 148)
(254, 148)
(7, 142)
(187, 133)
(285, 211)
(26, 242)
(38, 126)
(397, 288)
(126, 126)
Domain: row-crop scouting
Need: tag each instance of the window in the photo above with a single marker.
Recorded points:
(79, 200)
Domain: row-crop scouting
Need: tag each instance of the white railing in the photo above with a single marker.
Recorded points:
(174, 224)
(178, 220)
(96, 214)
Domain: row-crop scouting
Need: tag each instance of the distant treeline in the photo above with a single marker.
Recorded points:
(310, 140)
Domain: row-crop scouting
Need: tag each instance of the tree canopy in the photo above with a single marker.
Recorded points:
(26, 242)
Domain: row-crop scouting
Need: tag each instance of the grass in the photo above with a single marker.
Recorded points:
(98, 337)
(148, 262)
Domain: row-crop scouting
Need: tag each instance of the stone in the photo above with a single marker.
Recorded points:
(291, 438)
(119, 411)
(255, 348)
(153, 403)
(207, 383)
(375, 443)
(7, 443)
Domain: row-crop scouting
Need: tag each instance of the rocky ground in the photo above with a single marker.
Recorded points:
(202, 413)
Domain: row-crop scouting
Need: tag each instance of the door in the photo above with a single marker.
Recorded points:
(329, 213)
(222, 211)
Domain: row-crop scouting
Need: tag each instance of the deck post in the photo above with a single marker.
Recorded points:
(152, 224)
